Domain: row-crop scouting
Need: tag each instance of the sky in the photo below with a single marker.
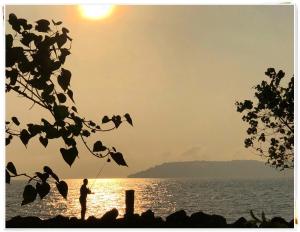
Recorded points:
(177, 70)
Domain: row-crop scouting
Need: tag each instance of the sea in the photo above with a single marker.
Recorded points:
(231, 198)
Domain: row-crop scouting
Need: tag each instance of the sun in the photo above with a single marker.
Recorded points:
(96, 11)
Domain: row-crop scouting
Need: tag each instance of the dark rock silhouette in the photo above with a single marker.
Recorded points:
(146, 220)
(240, 223)
(201, 219)
(178, 218)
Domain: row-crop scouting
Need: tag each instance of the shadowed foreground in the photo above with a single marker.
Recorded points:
(146, 220)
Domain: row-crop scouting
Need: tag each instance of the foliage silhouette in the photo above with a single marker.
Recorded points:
(34, 70)
(271, 119)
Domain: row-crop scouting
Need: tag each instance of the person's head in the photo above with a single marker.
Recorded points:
(85, 181)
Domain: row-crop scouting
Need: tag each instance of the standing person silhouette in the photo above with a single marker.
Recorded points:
(84, 191)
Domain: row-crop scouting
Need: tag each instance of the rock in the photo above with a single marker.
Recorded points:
(276, 222)
(148, 215)
(178, 218)
(110, 216)
(75, 222)
(291, 224)
(251, 224)
(240, 223)
(279, 220)
(92, 221)
(159, 221)
(57, 222)
(24, 222)
(201, 219)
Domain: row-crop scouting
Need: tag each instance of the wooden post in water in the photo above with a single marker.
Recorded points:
(129, 202)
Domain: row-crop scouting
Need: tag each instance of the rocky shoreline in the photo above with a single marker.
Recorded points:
(147, 219)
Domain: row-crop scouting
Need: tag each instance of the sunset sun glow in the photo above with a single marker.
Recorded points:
(96, 11)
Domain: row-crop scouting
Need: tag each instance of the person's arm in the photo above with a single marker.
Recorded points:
(89, 191)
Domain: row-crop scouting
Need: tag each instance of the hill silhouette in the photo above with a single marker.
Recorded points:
(213, 169)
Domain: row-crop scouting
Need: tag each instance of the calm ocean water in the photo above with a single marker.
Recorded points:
(230, 198)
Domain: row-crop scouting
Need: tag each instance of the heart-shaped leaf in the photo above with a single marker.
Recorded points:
(118, 158)
(69, 155)
(117, 120)
(29, 194)
(42, 189)
(11, 167)
(43, 141)
(64, 79)
(105, 119)
(42, 176)
(25, 137)
(98, 147)
(62, 188)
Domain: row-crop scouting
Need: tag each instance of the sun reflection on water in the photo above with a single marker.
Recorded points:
(108, 194)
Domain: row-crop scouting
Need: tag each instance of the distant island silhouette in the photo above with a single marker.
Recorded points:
(247, 169)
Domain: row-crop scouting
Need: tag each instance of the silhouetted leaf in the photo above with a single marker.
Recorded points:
(60, 112)
(11, 167)
(43, 141)
(128, 118)
(7, 177)
(24, 136)
(61, 97)
(56, 23)
(15, 120)
(62, 188)
(34, 129)
(64, 79)
(105, 119)
(91, 123)
(70, 94)
(61, 40)
(29, 194)
(64, 53)
(98, 147)
(69, 141)
(42, 176)
(118, 158)
(13, 21)
(65, 30)
(74, 109)
(86, 133)
(42, 189)
(27, 38)
(69, 155)
(55, 176)
(117, 120)
(42, 25)
(47, 170)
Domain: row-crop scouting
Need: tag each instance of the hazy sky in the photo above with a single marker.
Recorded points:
(178, 71)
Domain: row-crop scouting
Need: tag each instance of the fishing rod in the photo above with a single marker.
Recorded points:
(98, 174)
